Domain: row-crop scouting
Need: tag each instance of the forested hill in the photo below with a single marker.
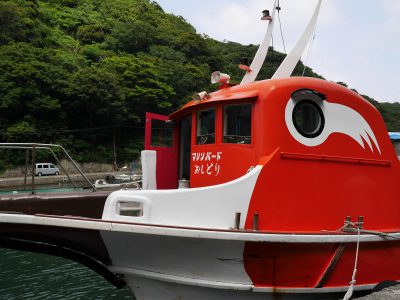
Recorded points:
(83, 72)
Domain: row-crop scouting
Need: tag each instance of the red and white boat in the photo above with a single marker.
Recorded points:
(292, 195)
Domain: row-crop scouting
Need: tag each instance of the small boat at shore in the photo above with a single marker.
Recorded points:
(290, 193)
(123, 181)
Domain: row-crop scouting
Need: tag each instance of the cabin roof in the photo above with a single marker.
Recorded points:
(232, 93)
(245, 92)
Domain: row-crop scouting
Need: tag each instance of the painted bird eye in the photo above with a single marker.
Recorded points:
(308, 118)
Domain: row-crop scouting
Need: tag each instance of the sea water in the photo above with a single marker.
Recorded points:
(32, 276)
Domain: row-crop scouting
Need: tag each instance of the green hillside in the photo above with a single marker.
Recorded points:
(83, 72)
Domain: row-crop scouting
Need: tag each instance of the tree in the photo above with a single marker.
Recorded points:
(17, 21)
(76, 71)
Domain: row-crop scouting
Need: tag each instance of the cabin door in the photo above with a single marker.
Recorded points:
(161, 137)
(185, 145)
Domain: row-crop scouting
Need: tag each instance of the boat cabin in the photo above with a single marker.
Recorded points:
(219, 137)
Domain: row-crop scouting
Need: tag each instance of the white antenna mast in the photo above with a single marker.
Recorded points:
(262, 51)
(289, 63)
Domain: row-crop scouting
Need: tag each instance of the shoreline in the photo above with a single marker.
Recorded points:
(18, 182)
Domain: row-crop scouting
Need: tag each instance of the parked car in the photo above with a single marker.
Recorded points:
(46, 169)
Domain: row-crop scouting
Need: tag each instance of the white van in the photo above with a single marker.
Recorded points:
(46, 169)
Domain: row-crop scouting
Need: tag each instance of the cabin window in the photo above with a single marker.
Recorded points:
(205, 127)
(161, 133)
(308, 118)
(237, 124)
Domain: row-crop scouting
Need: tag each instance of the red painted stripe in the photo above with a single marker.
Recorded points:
(339, 159)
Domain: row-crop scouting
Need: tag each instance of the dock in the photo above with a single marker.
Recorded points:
(387, 293)
(18, 182)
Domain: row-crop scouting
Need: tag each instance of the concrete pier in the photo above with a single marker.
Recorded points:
(390, 292)
(18, 182)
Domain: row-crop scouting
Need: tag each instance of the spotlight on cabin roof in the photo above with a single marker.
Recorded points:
(217, 76)
(244, 64)
(200, 96)
(266, 15)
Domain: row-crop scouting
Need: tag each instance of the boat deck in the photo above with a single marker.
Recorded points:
(80, 204)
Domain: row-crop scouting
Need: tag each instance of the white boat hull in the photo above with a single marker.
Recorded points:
(151, 289)
(162, 263)
(206, 262)
(175, 267)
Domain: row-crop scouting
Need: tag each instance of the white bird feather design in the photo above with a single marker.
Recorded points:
(338, 118)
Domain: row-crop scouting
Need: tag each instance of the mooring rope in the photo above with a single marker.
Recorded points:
(353, 281)
(350, 227)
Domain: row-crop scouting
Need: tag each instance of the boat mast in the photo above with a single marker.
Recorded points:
(289, 63)
(262, 51)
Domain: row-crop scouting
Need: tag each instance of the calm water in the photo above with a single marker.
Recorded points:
(33, 276)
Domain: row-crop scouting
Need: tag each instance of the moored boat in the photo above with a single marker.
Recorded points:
(112, 183)
(292, 195)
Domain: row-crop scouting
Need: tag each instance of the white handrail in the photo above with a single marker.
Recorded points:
(262, 51)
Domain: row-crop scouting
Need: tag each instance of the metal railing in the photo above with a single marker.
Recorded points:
(33, 147)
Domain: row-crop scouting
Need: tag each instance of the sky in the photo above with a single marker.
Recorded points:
(356, 41)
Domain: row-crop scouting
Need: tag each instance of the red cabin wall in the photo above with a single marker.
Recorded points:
(304, 189)
(228, 161)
